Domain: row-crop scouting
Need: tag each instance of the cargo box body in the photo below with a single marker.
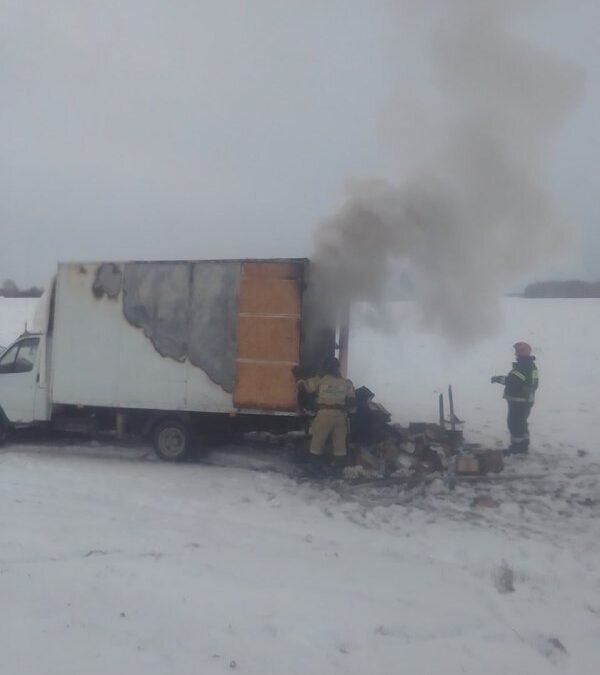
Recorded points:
(198, 336)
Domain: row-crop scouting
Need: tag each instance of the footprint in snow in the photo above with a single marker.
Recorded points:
(550, 647)
(98, 552)
(151, 554)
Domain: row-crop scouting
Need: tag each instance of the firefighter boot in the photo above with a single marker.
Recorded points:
(339, 464)
(315, 466)
(519, 446)
(522, 448)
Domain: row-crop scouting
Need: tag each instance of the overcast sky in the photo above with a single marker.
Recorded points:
(151, 129)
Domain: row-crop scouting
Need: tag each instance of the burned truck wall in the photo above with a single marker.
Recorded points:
(246, 324)
(213, 320)
(319, 323)
(186, 309)
(156, 298)
(108, 281)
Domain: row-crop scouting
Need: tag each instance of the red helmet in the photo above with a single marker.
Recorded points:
(522, 349)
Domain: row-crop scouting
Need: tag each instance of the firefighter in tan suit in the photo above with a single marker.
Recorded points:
(335, 398)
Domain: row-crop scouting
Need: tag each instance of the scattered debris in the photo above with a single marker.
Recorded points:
(557, 644)
(485, 501)
(466, 464)
(551, 648)
(381, 451)
(386, 450)
(93, 552)
(490, 461)
(504, 578)
(370, 420)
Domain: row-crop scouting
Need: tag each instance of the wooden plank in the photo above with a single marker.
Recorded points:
(268, 339)
(273, 270)
(265, 387)
(263, 295)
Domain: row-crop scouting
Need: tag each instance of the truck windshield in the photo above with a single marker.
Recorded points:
(20, 358)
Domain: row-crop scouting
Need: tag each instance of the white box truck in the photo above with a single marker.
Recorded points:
(167, 350)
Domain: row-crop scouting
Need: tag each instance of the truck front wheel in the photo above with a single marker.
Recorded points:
(172, 441)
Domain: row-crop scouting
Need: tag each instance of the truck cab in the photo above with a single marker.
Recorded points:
(23, 390)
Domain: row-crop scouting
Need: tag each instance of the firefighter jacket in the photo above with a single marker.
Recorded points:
(521, 383)
(333, 392)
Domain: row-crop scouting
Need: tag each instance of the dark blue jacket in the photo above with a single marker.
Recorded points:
(522, 382)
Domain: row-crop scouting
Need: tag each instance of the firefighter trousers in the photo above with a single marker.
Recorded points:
(329, 424)
(518, 413)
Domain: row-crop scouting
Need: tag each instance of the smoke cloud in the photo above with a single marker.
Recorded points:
(475, 217)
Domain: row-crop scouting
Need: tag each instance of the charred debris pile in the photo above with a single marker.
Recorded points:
(383, 449)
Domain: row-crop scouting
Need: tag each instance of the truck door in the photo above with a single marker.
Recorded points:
(18, 380)
(268, 336)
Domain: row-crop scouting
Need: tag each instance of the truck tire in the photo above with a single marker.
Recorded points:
(172, 441)
(3, 433)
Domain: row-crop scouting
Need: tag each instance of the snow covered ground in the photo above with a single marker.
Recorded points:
(112, 561)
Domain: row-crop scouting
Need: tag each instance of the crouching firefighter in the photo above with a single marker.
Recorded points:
(335, 399)
(520, 386)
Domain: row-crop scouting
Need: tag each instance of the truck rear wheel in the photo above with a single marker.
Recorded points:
(172, 441)
(3, 433)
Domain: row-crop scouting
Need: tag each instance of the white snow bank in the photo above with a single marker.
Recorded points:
(136, 567)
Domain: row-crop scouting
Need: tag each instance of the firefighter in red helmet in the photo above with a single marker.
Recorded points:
(520, 386)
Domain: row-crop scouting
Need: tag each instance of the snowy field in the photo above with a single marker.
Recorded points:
(113, 562)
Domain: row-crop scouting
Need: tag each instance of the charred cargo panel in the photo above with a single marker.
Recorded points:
(268, 335)
(213, 320)
(101, 359)
(187, 310)
(108, 280)
(156, 299)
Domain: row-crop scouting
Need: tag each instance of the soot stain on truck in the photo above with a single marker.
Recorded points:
(107, 281)
(215, 299)
(187, 310)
